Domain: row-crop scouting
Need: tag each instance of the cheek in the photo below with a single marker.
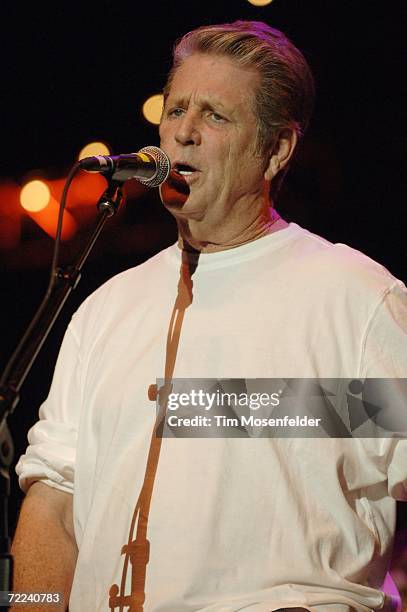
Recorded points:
(162, 132)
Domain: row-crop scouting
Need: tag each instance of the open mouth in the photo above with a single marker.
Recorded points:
(184, 169)
(181, 175)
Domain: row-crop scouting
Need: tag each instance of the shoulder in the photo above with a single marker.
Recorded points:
(340, 267)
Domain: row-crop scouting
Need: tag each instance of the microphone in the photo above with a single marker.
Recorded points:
(150, 166)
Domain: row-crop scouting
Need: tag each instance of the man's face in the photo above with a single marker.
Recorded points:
(208, 129)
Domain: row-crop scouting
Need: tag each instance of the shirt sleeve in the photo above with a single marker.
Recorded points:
(385, 343)
(50, 456)
(385, 356)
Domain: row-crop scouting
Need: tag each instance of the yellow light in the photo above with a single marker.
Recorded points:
(35, 196)
(260, 2)
(94, 148)
(41, 206)
(152, 108)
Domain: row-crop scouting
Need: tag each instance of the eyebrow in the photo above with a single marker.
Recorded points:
(204, 103)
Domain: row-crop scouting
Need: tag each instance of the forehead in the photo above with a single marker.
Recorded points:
(214, 78)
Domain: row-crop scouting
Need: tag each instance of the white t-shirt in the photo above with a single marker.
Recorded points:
(235, 524)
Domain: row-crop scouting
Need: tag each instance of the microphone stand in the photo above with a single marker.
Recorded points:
(63, 282)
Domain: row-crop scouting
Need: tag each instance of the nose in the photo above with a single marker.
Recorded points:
(188, 132)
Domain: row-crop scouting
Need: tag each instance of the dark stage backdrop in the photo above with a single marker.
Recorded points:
(79, 71)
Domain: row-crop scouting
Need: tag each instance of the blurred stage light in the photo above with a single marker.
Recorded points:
(260, 2)
(35, 196)
(41, 206)
(152, 108)
(47, 220)
(84, 191)
(94, 148)
(10, 215)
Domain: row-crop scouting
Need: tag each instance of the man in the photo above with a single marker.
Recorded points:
(220, 524)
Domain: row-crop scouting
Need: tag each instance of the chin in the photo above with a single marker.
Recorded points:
(180, 204)
(184, 214)
(172, 198)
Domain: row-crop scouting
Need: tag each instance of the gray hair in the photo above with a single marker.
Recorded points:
(285, 96)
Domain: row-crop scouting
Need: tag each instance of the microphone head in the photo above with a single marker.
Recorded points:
(163, 166)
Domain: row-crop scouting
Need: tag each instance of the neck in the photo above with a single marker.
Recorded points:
(189, 240)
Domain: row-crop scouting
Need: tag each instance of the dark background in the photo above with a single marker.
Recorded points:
(76, 72)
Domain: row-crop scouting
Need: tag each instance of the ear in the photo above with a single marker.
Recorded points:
(281, 152)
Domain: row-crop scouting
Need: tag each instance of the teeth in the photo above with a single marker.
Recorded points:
(186, 172)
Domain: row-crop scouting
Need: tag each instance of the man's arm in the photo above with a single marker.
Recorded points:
(44, 545)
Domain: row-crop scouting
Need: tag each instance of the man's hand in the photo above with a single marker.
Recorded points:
(44, 545)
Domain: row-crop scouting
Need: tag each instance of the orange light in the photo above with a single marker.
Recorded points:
(10, 215)
(94, 148)
(153, 108)
(85, 190)
(35, 196)
(260, 2)
(47, 219)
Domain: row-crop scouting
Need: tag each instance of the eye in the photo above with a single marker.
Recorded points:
(175, 112)
(216, 118)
